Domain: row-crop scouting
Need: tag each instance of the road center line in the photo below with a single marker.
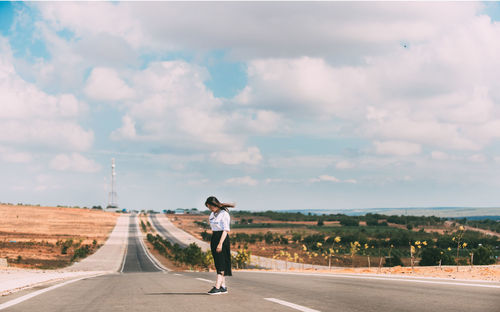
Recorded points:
(41, 291)
(205, 280)
(291, 305)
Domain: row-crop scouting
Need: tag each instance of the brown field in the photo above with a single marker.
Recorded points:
(31, 236)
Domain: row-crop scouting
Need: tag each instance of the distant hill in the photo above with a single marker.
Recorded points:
(443, 212)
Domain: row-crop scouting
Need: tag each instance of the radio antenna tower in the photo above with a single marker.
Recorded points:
(112, 195)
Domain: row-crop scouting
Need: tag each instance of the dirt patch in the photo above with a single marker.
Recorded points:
(33, 237)
(488, 273)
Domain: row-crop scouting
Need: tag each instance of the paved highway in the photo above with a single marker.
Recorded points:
(136, 259)
(164, 232)
(143, 287)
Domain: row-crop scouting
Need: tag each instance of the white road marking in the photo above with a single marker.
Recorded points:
(389, 279)
(178, 274)
(205, 280)
(292, 305)
(124, 257)
(156, 263)
(9, 304)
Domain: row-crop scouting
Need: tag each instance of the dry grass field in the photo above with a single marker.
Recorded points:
(33, 237)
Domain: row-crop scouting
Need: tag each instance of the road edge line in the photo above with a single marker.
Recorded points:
(13, 302)
(152, 258)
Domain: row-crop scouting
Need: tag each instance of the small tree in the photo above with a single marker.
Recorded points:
(393, 260)
(430, 256)
(353, 250)
(483, 255)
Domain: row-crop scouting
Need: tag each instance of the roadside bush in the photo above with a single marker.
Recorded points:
(394, 260)
(81, 252)
(430, 256)
(483, 256)
(241, 259)
(203, 225)
(349, 221)
(206, 236)
(65, 245)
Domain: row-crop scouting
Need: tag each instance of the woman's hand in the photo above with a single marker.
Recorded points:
(219, 248)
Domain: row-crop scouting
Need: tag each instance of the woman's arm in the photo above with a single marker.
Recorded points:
(222, 238)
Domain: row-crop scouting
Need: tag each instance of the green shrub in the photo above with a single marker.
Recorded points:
(393, 260)
(483, 256)
(349, 221)
(81, 252)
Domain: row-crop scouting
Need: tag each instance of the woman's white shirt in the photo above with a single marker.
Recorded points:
(220, 221)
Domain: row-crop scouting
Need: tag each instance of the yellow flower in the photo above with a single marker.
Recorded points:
(392, 246)
(304, 247)
(453, 239)
(417, 243)
(464, 245)
(366, 246)
(263, 248)
(337, 239)
(461, 228)
(330, 250)
(319, 244)
(419, 246)
(425, 243)
(449, 248)
(413, 249)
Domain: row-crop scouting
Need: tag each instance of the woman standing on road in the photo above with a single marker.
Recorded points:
(219, 244)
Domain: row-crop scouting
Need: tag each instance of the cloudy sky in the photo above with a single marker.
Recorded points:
(272, 105)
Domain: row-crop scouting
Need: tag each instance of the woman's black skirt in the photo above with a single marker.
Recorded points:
(222, 259)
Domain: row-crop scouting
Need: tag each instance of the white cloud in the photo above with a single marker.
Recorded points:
(344, 164)
(398, 148)
(309, 161)
(74, 162)
(347, 31)
(246, 180)
(325, 178)
(438, 155)
(13, 156)
(105, 84)
(106, 18)
(478, 158)
(31, 116)
(127, 130)
(250, 156)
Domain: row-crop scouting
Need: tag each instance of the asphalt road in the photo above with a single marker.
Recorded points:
(136, 259)
(164, 232)
(247, 292)
(142, 287)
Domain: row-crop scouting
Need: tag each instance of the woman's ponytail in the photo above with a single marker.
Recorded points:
(215, 202)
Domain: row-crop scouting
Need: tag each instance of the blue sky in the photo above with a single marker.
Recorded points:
(271, 105)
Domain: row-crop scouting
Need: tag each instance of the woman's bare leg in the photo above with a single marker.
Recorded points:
(220, 279)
